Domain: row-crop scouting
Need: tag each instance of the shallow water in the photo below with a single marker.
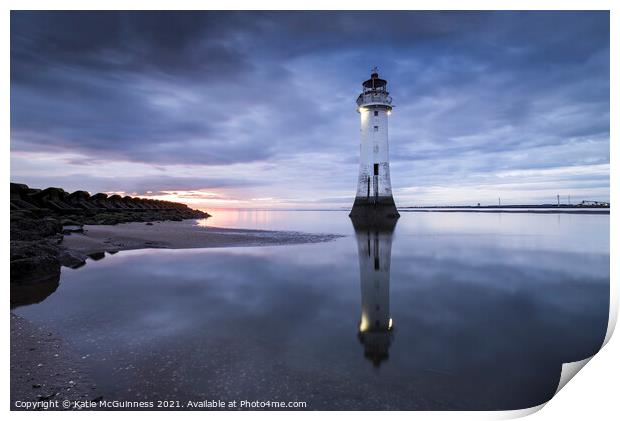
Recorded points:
(450, 311)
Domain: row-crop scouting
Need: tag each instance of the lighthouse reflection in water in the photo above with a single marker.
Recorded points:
(374, 246)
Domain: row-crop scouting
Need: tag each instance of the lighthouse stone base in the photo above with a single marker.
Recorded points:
(374, 209)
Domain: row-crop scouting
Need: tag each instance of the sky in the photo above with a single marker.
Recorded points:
(257, 109)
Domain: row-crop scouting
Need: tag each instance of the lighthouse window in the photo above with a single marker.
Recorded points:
(376, 168)
(376, 113)
(376, 128)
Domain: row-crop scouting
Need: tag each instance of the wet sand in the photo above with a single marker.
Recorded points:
(177, 235)
(45, 370)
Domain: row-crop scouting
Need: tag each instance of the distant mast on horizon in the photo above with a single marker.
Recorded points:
(374, 189)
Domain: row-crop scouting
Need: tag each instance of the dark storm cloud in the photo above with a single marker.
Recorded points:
(169, 42)
(240, 87)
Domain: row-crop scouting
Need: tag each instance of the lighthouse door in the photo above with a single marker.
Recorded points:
(375, 182)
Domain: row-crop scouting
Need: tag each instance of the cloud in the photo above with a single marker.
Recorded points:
(272, 92)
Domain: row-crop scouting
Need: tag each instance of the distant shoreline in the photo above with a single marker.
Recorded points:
(480, 209)
(513, 210)
(543, 206)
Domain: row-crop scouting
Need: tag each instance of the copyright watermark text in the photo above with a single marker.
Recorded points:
(158, 404)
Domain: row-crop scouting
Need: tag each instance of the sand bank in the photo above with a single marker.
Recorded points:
(176, 235)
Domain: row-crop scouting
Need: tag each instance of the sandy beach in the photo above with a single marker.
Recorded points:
(177, 235)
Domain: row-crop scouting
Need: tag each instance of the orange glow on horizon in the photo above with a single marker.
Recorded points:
(209, 199)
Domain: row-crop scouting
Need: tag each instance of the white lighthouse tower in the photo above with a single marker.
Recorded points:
(374, 189)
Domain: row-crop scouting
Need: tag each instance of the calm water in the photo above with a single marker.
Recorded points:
(450, 311)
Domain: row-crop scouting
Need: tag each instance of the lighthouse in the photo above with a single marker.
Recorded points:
(374, 199)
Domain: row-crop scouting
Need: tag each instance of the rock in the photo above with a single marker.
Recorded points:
(82, 199)
(25, 294)
(68, 229)
(26, 226)
(34, 262)
(34, 254)
(19, 195)
(117, 202)
(101, 201)
(97, 256)
(71, 258)
(53, 198)
(35, 270)
(72, 220)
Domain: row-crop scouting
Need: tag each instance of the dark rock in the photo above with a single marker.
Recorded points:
(19, 193)
(25, 226)
(29, 293)
(101, 201)
(33, 262)
(117, 202)
(53, 198)
(82, 199)
(71, 220)
(97, 256)
(68, 229)
(131, 203)
(71, 258)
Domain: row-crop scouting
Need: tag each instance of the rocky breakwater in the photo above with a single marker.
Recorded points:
(40, 217)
